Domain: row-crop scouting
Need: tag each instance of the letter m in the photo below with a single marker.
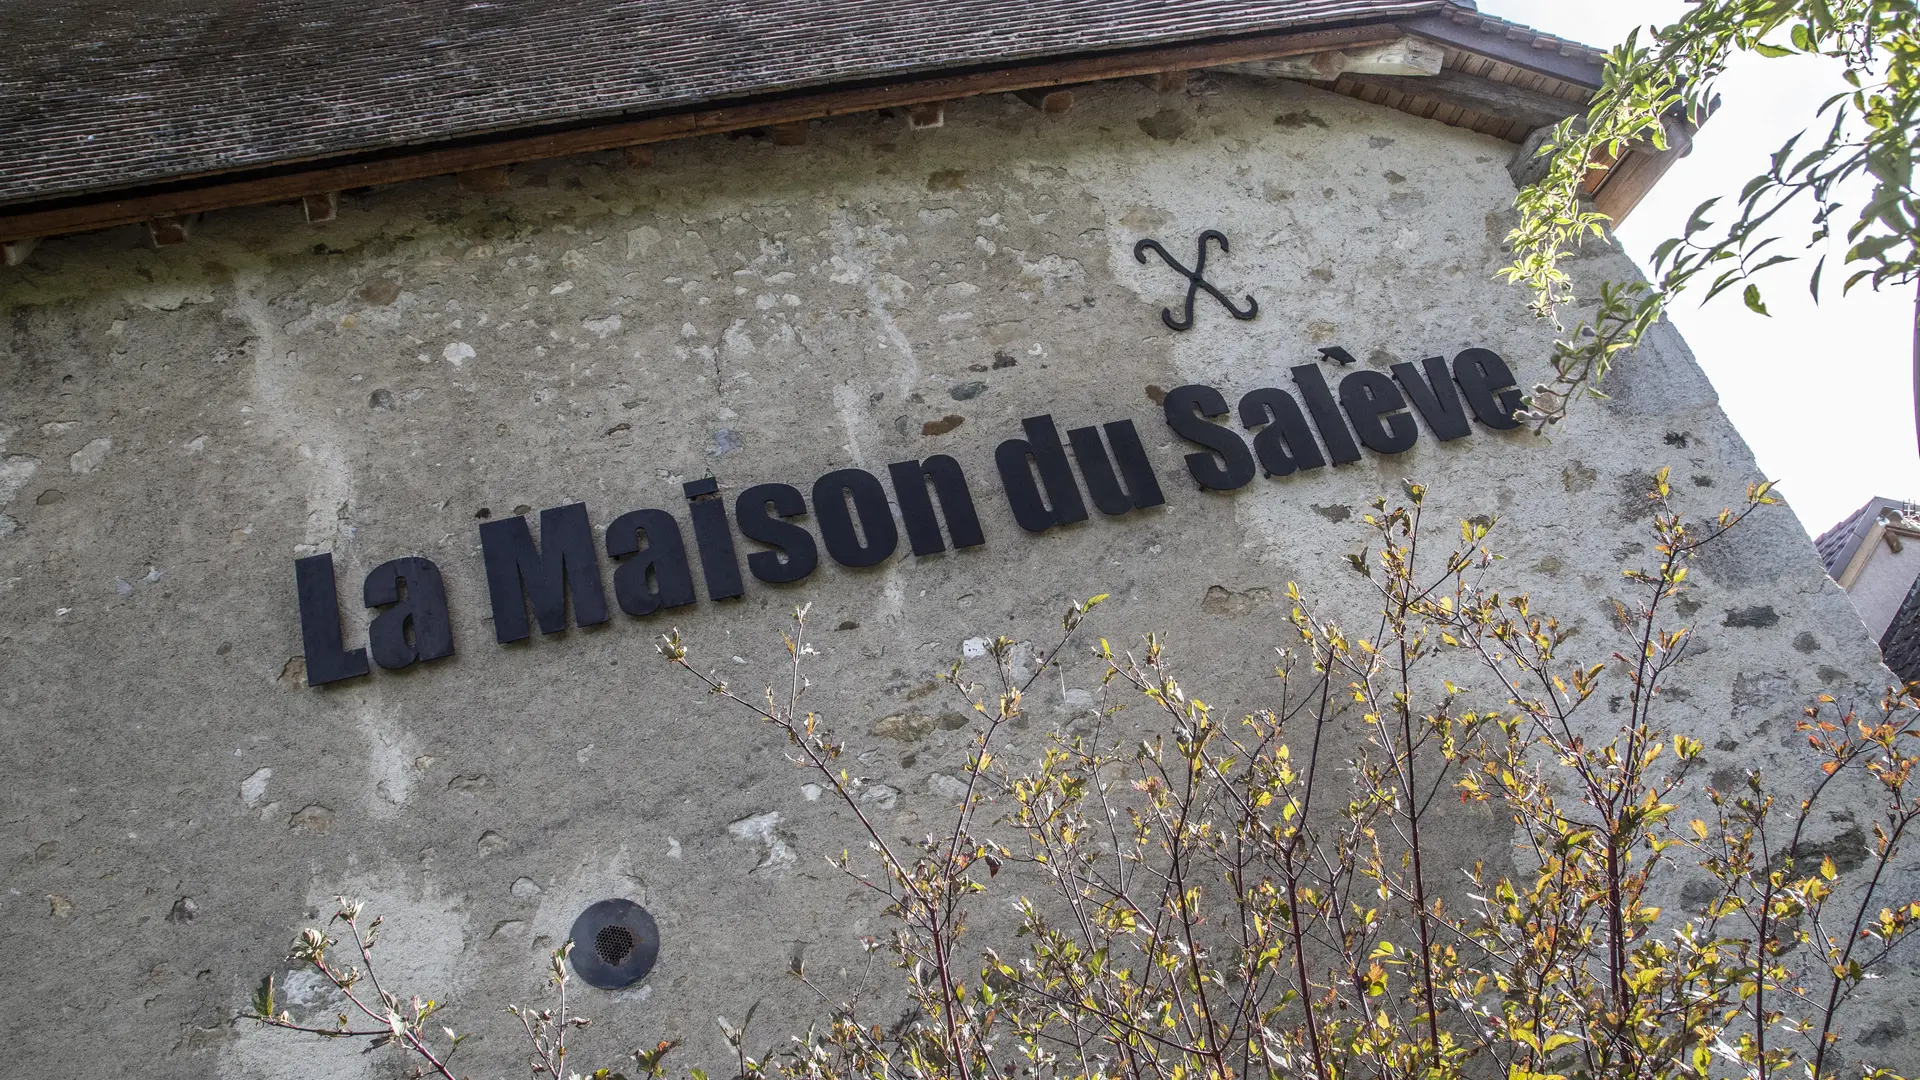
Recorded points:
(517, 572)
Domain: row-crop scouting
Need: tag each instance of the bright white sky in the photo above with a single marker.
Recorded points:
(1823, 394)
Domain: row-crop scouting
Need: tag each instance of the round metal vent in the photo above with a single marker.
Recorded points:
(615, 943)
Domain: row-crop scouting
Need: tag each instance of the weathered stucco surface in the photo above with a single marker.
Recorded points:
(1882, 586)
(177, 425)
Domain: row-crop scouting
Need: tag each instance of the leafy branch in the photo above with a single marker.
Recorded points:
(1649, 91)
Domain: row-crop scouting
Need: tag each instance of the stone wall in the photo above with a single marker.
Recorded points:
(177, 426)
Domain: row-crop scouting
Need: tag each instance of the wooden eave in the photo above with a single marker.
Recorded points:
(1503, 96)
(1515, 102)
(1879, 533)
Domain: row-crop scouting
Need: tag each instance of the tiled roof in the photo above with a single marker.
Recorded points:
(1900, 645)
(103, 94)
(1838, 544)
(1465, 15)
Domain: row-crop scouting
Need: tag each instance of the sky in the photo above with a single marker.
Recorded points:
(1822, 393)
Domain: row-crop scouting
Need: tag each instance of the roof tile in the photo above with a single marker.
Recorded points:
(103, 94)
(1838, 544)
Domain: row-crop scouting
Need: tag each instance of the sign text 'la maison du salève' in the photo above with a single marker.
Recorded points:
(854, 516)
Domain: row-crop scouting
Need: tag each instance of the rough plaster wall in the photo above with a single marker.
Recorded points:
(1883, 584)
(176, 426)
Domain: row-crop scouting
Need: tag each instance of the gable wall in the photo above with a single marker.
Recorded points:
(179, 425)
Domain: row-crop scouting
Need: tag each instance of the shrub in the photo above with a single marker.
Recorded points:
(1225, 898)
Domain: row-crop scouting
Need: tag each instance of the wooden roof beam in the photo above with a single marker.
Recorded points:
(1529, 108)
(1619, 190)
(1050, 100)
(1463, 29)
(927, 115)
(1616, 186)
(188, 195)
(165, 230)
(492, 178)
(1409, 56)
(320, 207)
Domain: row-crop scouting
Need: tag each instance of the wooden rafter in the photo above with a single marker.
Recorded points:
(297, 180)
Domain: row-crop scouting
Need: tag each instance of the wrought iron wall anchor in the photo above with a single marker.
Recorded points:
(1196, 280)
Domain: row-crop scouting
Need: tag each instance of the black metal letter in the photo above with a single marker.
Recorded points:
(1143, 488)
(1326, 415)
(1379, 412)
(1230, 465)
(759, 511)
(836, 524)
(1488, 383)
(1286, 445)
(910, 480)
(1435, 397)
(715, 539)
(517, 572)
(664, 558)
(1042, 447)
(327, 661)
(421, 607)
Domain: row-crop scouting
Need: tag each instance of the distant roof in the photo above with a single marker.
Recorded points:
(102, 94)
(1838, 544)
(1900, 645)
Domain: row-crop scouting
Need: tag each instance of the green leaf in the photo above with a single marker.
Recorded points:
(1752, 297)
(1699, 221)
(1725, 281)
(263, 997)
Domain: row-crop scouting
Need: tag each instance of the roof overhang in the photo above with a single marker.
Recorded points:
(1496, 78)
(1882, 531)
